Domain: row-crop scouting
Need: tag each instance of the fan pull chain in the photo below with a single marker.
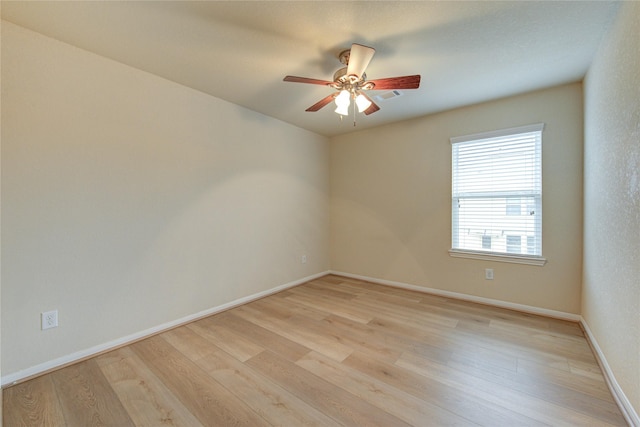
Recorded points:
(354, 112)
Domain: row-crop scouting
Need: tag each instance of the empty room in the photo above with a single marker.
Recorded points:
(287, 213)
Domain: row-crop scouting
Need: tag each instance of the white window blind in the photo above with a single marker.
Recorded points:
(497, 192)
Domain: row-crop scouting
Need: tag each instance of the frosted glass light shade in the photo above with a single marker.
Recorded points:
(342, 102)
(362, 102)
(343, 110)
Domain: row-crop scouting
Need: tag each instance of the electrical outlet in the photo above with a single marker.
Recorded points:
(303, 259)
(488, 273)
(49, 319)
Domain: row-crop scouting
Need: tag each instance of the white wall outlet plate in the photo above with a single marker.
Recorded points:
(49, 319)
(488, 273)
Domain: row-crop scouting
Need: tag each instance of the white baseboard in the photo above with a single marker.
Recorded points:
(629, 413)
(41, 368)
(472, 298)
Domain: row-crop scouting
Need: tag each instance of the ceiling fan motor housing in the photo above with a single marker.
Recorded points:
(343, 81)
(344, 56)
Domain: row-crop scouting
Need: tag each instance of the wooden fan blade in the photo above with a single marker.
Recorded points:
(372, 108)
(404, 82)
(324, 101)
(359, 58)
(295, 79)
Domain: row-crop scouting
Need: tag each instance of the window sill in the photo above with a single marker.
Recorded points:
(499, 257)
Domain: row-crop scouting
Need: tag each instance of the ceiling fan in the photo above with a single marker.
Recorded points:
(351, 82)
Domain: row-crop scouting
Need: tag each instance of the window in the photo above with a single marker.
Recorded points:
(513, 244)
(486, 242)
(497, 195)
(531, 245)
(513, 206)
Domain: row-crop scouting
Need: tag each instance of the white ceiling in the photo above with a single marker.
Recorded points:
(466, 52)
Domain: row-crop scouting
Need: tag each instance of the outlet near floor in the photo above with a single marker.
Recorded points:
(488, 273)
(49, 319)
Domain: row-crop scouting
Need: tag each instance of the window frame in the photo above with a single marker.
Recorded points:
(520, 258)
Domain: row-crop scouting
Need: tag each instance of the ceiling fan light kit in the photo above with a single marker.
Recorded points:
(342, 102)
(362, 102)
(351, 82)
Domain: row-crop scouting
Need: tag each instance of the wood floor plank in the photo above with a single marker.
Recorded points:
(33, 403)
(234, 344)
(495, 313)
(344, 407)
(278, 344)
(586, 368)
(484, 358)
(269, 308)
(366, 339)
(189, 342)
(333, 278)
(546, 332)
(406, 309)
(288, 329)
(383, 294)
(146, 399)
(396, 327)
(418, 317)
(596, 387)
(605, 411)
(541, 410)
(271, 401)
(412, 410)
(475, 409)
(528, 344)
(370, 288)
(323, 290)
(333, 306)
(435, 342)
(310, 311)
(441, 347)
(207, 400)
(569, 344)
(87, 397)
(507, 343)
(348, 334)
(267, 399)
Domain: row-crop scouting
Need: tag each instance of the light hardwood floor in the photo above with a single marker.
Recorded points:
(334, 351)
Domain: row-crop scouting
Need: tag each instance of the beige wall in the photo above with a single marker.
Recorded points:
(391, 202)
(611, 278)
(129, 201)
